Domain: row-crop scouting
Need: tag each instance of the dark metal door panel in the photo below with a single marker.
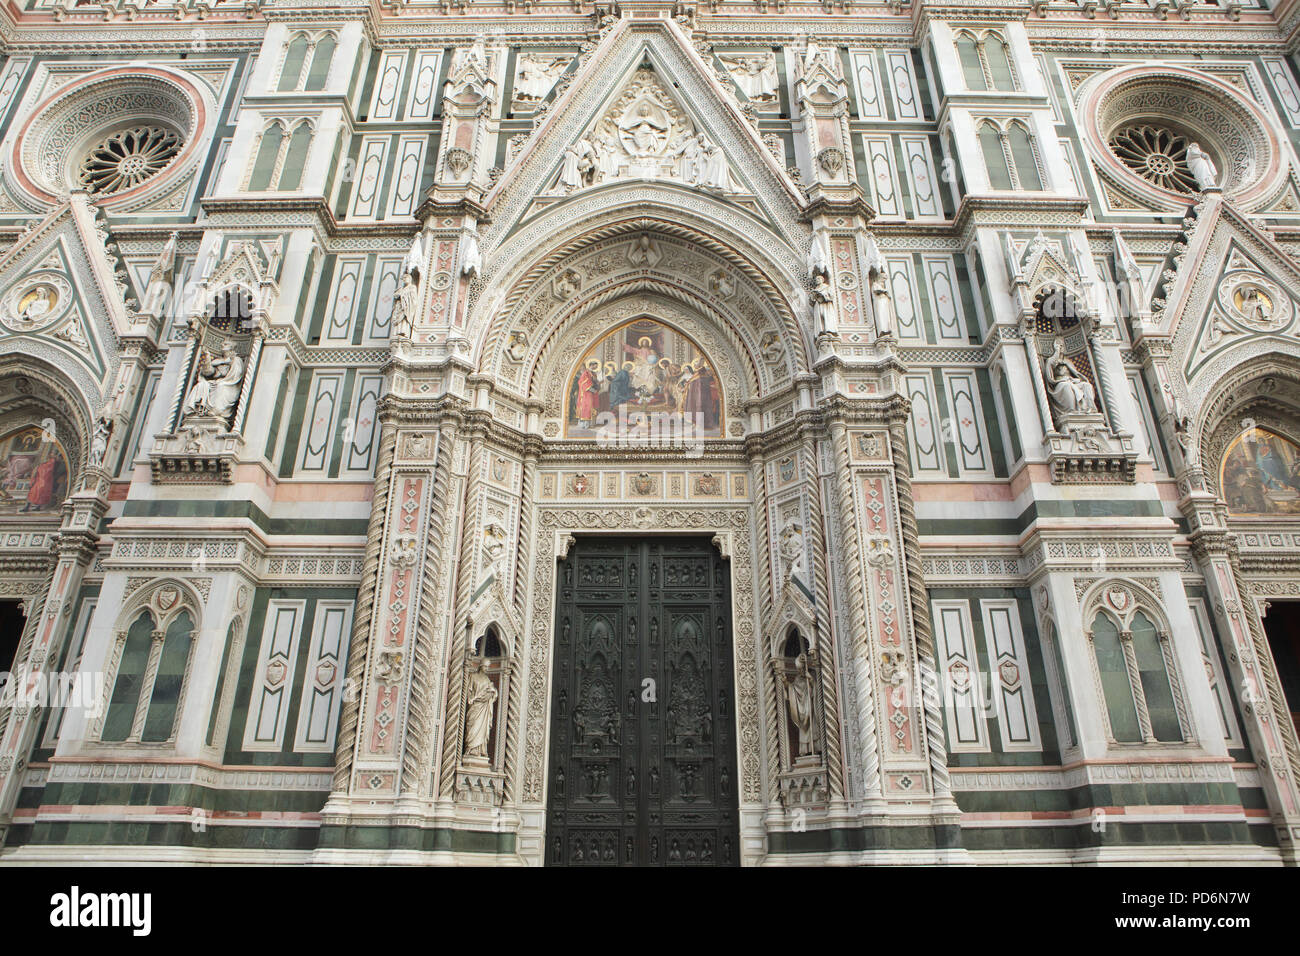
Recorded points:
(642, 734)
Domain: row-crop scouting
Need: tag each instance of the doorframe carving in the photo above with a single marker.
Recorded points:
(732, 530)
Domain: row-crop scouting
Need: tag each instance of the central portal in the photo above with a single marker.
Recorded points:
(643, 746)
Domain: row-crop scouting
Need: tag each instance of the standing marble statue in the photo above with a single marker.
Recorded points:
(1202, 167)
(882, 302)
(799, 705)
(160, 278)
(480, 698)
(415, 258)
(99, 440)
(405, 304)
(471, 260)
(1067, 388)
(825, 318)
(713, 172)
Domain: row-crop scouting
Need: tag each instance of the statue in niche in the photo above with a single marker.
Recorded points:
(825, 318)
(99, 439)
(217, 386)
(799, 705)
(1067, 388)
(480, 702)
(1202, 167)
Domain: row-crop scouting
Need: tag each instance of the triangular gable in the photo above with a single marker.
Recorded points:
(61, 292)
(1230, 297)
(491, 606)
(793, 608)
(656, 58)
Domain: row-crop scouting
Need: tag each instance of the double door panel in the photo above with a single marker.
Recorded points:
(643, 750)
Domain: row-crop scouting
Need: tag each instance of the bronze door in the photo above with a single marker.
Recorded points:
(643, 746)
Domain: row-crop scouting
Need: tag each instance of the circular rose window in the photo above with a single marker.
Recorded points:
(1141, 120)
(127, 158)
(124, 133)
(1156, 153)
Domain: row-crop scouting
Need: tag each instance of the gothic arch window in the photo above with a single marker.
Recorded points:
(281, 157)
(268, 155)
(986, 61)
(1024, 157)
(125, 698)
(296, 157)
(1010, 155)
(321, 59)
(295, 57)
(307, 61)
(149, 668)
(1135, 669)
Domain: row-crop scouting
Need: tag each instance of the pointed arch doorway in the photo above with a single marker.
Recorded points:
(642, 769)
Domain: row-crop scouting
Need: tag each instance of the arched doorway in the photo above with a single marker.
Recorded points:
(1250, 460)
(43, 429)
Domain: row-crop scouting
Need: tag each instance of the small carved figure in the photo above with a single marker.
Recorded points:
(517, 348)
(415, 258)
(771, 349)
(160, 277)
(754, 75)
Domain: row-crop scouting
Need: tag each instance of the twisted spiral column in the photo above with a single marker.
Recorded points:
(358, 649)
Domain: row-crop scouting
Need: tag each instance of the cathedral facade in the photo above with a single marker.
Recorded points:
(730, 432)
